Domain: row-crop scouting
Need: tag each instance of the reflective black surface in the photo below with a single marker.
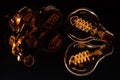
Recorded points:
(51, 66)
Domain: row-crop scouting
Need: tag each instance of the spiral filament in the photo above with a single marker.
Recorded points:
(81, 59)
(85, 22)
(51, 21)
(52, 41)
(83, 25)
(30, 29)
(91, 42)
(80, 23)
(55, 43)
(51, 17)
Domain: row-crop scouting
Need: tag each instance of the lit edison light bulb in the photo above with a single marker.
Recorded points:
(81, 59)
(50, 17)
(83, 24)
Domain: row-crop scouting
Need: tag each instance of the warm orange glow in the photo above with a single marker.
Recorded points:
(18, 20)
(18, 58)
(84, 56)
(55, 42)
(81, 23)
(51, 21)
(11, 40)
(13, 48)
(84, 25)
(20, 40)
(80, 58)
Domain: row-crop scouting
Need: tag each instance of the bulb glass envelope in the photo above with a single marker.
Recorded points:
(91, 42)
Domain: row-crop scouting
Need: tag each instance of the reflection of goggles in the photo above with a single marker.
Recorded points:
(32, 31)
(92, 42)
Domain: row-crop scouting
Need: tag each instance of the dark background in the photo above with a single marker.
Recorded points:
(51, 66)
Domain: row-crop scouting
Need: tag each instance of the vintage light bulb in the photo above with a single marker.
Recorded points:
(50, 17)
(18, 19)
(83, 24)
(51, 42)
(81, 59)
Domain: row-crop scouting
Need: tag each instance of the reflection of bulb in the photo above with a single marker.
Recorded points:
(52, 41)
(22, 17)
(51, 17)
(32, 29)
(92, 42)
(83, 24)
(81, 59)
(29, 61)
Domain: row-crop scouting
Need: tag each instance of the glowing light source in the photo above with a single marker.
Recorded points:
(82, 61)
(30, 29)
(91, 42)
(83, 24)
(18, 21)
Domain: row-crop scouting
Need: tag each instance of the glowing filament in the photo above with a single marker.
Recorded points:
(83, 57)
(80, 23)
(55, 42)
(52, 21)
(79, 58)
(83, 25)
